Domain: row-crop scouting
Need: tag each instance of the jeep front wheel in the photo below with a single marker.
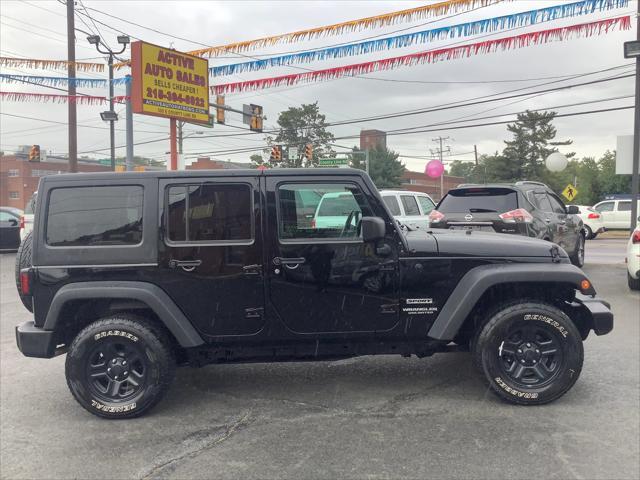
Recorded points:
(119, 367)
(530, 353)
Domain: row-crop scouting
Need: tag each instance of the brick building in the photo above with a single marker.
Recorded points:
(421, 182)
(19, 178)
(370, 139)
(205, 163)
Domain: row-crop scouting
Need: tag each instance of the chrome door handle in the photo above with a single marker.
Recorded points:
(186, 265)
(289, 261)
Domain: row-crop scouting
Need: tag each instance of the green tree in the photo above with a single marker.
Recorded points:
(532, 143)
(385, 169)
(609, 181)
(300, 126)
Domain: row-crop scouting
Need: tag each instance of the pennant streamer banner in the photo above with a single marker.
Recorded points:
(522, 19)
(50, 64)
(432, 56)
(49, 98)
(377, 21)
(62, 81)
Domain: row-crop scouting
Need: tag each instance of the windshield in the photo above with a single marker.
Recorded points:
(477, 200)
(341, 205)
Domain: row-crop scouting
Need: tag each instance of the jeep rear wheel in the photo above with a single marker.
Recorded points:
(119, 367)
(530, 353)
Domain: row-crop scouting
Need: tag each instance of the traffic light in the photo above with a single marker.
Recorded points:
(276, 154)
(256, 118)
(34, 153)
(308, 151)
(219, 109)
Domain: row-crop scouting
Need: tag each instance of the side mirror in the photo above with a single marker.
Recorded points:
(573, 210)
(373, 228)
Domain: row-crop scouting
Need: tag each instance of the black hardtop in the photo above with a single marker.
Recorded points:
(221, 173)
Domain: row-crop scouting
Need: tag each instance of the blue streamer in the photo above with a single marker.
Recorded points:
(62, 81)
(522, 19)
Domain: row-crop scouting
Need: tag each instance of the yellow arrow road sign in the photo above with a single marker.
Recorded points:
(570, 192)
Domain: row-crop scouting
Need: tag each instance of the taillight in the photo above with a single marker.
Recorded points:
(21, 222)
(593, 216)
(635, 238)
(313, 223)
(519, 215)
(435, 216)
(25, 282)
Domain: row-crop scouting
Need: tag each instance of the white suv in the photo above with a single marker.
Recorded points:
(410, 208)
(616, 214)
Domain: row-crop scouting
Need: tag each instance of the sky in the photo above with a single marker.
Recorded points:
(37, 29)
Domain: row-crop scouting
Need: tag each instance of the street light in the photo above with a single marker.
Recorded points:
(110, 116)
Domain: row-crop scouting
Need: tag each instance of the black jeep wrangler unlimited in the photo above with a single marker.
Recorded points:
(132, 274)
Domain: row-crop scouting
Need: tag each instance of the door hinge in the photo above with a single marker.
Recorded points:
(253, 312)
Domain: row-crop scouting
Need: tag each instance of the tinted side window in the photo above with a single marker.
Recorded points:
(94, 216)
(543, 201)
(392, 203)
(337, 215)
(209, 213)
(426, 204)
(410, 205)
(557, 206)
(605, 207)
(624, 206)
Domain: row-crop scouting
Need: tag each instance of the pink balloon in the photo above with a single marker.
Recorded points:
(434, 168)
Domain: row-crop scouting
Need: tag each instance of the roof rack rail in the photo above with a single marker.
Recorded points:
(531, 182)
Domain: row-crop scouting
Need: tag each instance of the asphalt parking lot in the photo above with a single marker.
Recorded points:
(371, 417)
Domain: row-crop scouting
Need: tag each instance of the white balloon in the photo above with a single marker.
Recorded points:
(556, 162)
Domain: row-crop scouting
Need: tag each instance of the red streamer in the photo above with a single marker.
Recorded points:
(431, 56)
(52, 98)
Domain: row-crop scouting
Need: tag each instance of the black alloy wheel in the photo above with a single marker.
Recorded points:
(531, 355)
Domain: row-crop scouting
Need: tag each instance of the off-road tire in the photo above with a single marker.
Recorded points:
(112, 338)
(489, 350)
(577, 257)
(634, 283)
(23, 260)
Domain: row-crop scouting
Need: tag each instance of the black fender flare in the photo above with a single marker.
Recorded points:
(477, 280)
(149, 294)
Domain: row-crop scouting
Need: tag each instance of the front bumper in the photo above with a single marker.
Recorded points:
(599, 311)
(34, 341)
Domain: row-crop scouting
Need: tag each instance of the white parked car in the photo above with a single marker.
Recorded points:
(336, 211)
(26, 219)
(409, 208)
(616, 214)
(592, 220)
(633, 260)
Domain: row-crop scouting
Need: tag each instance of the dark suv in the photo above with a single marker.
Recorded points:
(132, 274)
(525, 208)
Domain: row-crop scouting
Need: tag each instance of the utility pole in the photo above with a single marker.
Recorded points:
(71, 89)
(129, 127)
(440, 152)
(475, 153)
(635, 170)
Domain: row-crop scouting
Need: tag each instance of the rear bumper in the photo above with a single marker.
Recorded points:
(35, 342)
(600, 313)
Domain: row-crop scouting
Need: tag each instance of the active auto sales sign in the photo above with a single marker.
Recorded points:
(167, 83)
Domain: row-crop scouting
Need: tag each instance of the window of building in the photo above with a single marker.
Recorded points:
(14, 195)
(392, 203)
(410, 205)
(95, 216)
(41, 173)
(209, 213)
(13, 173)
(335, 216)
